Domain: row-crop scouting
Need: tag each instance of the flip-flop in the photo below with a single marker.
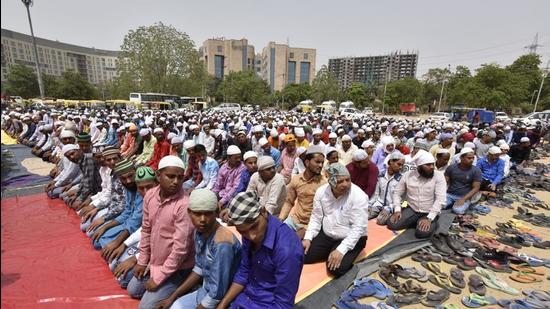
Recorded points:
(525, 278)
(476, 285)
(400, 300)
(418, 274)
(467, 264)
(448, 306)
(410, 287)
(457, 278)
(434, 268)
(476, 301)
(369, 287)
(537, 294)
(524, 268)
(433, 299)
(444, 283)
(388, 276)
(492, 281)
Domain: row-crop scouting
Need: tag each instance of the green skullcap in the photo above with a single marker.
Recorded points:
(83, 137)
(144, 173)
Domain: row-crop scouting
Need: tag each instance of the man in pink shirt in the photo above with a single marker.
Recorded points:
(288, 155)
(166, 253)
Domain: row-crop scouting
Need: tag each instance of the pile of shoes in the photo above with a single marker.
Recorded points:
(539, 219)
(534, 299)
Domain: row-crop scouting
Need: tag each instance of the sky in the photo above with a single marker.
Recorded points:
(465, 32)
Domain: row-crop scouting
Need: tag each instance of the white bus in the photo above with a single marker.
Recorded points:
(145, 99)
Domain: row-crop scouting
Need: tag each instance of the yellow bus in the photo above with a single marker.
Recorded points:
(123, 104)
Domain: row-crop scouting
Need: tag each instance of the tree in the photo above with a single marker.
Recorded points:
(243, 87)
(160, 58)
(72, 85)
(325, 86)
(404, 90)
(292, 94)
(21, 81)
(357, 93)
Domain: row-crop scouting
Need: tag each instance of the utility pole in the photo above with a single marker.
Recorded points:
(442, 88)
(385, 86)
(27, 4)
(542, 83)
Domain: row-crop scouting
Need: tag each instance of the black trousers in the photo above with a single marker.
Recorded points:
(410, 218)
(322, 246)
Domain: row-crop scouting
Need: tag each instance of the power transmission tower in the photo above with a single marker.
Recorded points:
(532, 48)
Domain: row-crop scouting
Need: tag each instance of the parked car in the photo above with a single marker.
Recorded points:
(248, 108)
(441, 116)
(368, 112)
(345, 105)
(501, 117)
(227, 107)
(533, 118)
(351, 112)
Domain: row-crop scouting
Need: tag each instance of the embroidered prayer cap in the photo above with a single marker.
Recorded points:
(122, 167)
(359, 155)
(466, 150)
(69, 147)
(244, 208)
(144, 173)
(265, 162)
(315, 149)
(107, 151)
(346, 138)
(83, 137)
(171, 161)
(66, 134)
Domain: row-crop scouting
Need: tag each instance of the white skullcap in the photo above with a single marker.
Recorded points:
(188, 144)
(301, 150)
(360, 155)
(158, 130)
(48, 127)
(367, 143)
(203, 200)
(329, 149)
(121, 129)
(495, 150)
(258, 128)
(346, 138)
(423, 157)
(525, 139)
(466, 150)
(355, 125)
(470, 145)
(176, 140)
(179, 124)
(262, 141)
(442, 150)
(300, 132)
(265, 162)
(66, 134)
(69, 147)
(332, 135)
(171, 135)
(250, 154)
(317, 131)
(233, 150)
(363, 131)
(274, 133)
(193, 127)
(504, 146)
(144, 131)
(114, 121)
(171, 161)
(387, 140)
(419, 134)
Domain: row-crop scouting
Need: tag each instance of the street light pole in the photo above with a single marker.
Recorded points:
(27, 4)
(533, 97)
(542, 83)
(442, 88)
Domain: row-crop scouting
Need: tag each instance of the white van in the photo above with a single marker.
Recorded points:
(346, 104)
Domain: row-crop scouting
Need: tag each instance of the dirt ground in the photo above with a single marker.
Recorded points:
(496, 215)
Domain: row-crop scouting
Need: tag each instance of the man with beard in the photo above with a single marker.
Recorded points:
(492, 170)
(317, 136)
(91, 179)
(242, 142)
(114, 232)
(363, 172)
(298, 205)
(131, 142)
(68, 172)
(346, 150)
(381, 203)
(519, 153)
(268, 185)
(424, 190)
(149, 142)
(337, 230)
(380, 154)
(166, 245)
(359, 139)
(464, 180)
(229, 176)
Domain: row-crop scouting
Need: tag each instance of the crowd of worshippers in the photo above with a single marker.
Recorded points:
(156, 191)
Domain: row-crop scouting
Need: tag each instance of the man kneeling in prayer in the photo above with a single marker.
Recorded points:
(337, 231)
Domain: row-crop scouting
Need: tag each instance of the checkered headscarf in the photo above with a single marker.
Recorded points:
(244, 208)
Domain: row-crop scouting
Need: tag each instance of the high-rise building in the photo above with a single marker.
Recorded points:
(96, 65)
(373, 69)
(222, 56)
(282, 65)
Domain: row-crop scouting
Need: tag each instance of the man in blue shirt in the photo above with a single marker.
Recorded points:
(268, 150)
(272, 258)
(492, 170)
(217, 257)
(113, 233)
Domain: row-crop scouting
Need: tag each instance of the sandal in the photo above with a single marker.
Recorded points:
(525, 278)
(400, 300)
(388, 276)
(457, 278)
(444, 283)
(467, 264)
(434, 268)
(492, 281)
(411, 287)
(434, 299)
(476, 285)
(524, 268)
(476, 301)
